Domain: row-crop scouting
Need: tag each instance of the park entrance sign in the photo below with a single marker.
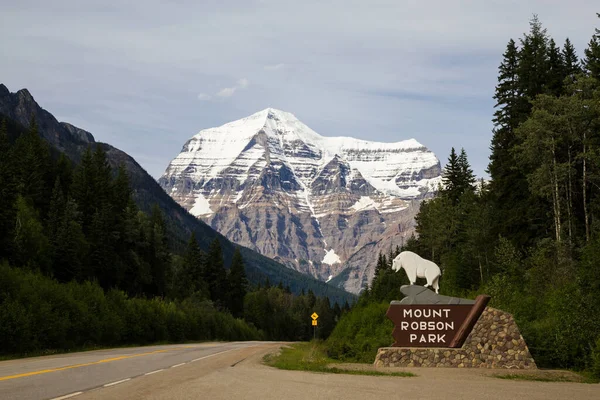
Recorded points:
(425, 319)
(440, 331)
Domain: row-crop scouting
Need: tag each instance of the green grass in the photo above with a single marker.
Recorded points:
(568, 376)
(312, 357)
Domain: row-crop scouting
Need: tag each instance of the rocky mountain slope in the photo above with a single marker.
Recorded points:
(325, 206)
(19, 107)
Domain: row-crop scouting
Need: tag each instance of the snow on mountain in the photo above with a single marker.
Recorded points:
(271, 183)
(388, 167)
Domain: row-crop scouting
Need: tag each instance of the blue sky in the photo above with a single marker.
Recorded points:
(145, 76)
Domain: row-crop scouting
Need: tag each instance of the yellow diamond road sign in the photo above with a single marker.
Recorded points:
(314, 316)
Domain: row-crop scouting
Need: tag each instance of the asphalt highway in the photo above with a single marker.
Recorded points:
(235, 371)
(54, 377)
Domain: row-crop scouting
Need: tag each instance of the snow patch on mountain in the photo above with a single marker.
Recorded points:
(363, 203)
(201, 206)
(331, 258)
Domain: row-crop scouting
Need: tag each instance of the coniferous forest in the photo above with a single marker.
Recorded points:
(81, 266)
(530, 236)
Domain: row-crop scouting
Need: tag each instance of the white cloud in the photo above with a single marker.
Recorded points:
(274, 67)
(229, 91)
(409, 69)
(226, 92)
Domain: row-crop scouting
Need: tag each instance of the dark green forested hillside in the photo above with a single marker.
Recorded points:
(82, 265)
(19, 108)
(530, 237)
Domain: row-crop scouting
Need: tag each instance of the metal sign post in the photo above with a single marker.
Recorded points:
(314, 317)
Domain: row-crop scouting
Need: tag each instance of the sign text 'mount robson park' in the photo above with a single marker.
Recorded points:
(432, 325)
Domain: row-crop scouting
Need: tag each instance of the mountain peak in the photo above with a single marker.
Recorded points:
(274, 113)
(270, 182)
(25, 94)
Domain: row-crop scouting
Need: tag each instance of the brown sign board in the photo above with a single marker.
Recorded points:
(434, 325)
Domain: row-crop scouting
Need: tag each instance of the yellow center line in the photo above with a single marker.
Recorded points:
(106, 360)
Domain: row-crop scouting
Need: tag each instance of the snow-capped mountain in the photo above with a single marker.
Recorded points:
(322, 205)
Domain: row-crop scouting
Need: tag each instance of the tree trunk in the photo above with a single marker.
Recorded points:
(584, 183)
(570, 200)
(555, 196)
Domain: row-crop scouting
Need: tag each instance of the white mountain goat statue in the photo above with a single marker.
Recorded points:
(418, 267)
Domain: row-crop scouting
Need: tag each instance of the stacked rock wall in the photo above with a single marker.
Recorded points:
(494, 342)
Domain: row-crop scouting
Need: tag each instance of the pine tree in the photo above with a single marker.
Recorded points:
(31, 245)
(215, 274)
(556, 70)
(533, 67)
(102, 178)
(506, 118)
(8, 195)
(572, 67)
(191, 278)
(64, 171)
(591, 62)
(451, 178)
(70, 246)
(34, 168)
(160, 258)
(82, 189)
(346, 306)
(57, 208)
(121, 189)
(467, 177)
(518, 214)
(237, 284)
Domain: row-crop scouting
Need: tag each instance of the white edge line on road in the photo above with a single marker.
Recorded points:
(67, 396)
(154, 372)
(178, 365)
(117, 382)
(221, 352)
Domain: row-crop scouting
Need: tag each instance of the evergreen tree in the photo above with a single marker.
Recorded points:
(591, 62)
(467, 177)
(82, 189)
(57, 209)
(8, 195)
(31, 245)
(506, 119)
(346, 306)
(237, 284)
(451, 178)
(215, 274)
(191, 276)
(32, 158)
(121, 189)
(102, 182)
(533, 67)
(572, 67)
(64, 171)
(70, 246)
(516, 209)
(556, 70)
(159, 256)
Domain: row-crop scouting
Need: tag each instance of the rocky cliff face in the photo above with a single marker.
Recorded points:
(323, 206)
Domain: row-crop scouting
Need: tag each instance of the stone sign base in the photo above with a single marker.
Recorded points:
(494, 342)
